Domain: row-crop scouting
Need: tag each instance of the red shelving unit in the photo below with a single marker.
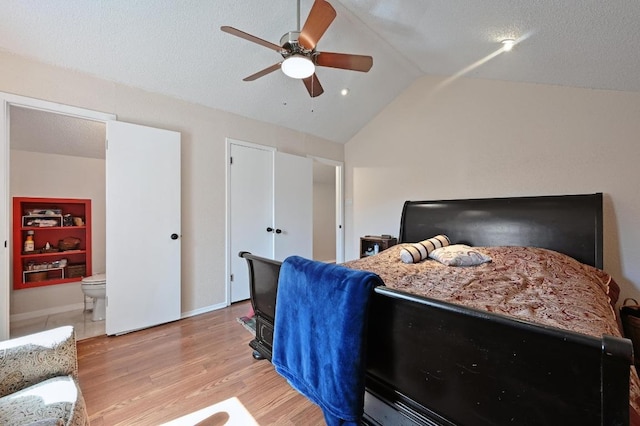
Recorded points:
(48, 226)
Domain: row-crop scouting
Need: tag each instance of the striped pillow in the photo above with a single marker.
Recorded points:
(420, 251)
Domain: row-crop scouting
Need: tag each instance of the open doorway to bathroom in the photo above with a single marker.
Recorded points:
(57, 156)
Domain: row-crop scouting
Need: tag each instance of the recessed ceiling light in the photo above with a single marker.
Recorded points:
(344, 92)
(508, 44)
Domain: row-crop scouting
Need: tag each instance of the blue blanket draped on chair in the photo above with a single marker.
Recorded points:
(319, 335)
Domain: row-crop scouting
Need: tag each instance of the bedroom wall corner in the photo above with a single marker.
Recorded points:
(479, 138)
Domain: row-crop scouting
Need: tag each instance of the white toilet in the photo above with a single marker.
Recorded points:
(95, 287)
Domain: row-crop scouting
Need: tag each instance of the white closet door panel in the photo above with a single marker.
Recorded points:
(142, 213)
(251, 211)
(293, 206)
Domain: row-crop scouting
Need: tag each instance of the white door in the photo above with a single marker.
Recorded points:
(293, 176)
(270, 209)
(143, 227)
(250, 211)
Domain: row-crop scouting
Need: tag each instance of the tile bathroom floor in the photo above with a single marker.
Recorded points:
(79, 319)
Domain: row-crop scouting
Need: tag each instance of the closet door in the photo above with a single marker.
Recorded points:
(270, 209)
(293, 195)
(250, 211)
(143, 227)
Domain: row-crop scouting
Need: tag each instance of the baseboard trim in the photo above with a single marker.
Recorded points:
(44, 312)
(203, 310)
(75, 306)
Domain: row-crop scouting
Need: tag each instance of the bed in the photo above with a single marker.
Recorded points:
(434, 362)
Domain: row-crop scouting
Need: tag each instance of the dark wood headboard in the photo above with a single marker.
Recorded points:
(569, 224)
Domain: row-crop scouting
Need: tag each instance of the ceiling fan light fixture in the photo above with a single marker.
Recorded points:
(298, 66)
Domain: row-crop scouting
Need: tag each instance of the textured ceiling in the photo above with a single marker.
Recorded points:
(40, 131)
(176, 48)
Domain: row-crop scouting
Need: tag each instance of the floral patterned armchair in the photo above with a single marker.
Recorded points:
(39, 380)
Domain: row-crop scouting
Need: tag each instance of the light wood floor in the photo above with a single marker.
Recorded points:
(157, 375)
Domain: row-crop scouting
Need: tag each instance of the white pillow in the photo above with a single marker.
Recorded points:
(459, 255)
(419, 251)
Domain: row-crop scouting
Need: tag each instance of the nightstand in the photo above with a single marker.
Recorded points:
(368, 243)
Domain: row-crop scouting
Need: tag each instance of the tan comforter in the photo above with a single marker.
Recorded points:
(532, 284)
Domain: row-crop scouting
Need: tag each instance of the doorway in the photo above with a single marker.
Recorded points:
(328, 210)
(57, 156)
(138, 140)
(26, 110)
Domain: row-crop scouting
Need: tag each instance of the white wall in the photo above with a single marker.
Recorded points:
(475, 138)
(203, 133)
(59, 176)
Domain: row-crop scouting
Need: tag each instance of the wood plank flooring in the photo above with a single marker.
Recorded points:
(157, 375)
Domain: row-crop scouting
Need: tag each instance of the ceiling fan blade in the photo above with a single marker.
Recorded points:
(264, 72)
(344, 61)
(320, 17)
(313, 86)
(254, 39)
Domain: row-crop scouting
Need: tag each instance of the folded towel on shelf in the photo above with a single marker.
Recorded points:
(320, 334)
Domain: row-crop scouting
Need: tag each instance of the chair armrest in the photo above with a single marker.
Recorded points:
(31, 359)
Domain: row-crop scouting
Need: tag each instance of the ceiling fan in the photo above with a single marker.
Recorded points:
(298, 49)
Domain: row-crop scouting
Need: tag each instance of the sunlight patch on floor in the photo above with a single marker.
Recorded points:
(229, 412)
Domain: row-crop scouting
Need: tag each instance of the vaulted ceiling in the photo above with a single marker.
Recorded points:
(176, 48)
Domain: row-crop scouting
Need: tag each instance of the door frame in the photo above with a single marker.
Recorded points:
(339, 165)
(6, 101)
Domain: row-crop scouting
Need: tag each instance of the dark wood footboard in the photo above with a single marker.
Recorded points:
(439, 363)
(435, 363)
(263, 282)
